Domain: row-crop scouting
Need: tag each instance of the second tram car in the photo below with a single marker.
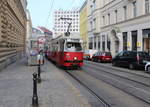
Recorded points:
(66, 51)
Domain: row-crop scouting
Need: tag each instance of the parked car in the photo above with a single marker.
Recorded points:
(131, 59)
(147, 67)
(86, 57)
(102, 57)
(88, 54)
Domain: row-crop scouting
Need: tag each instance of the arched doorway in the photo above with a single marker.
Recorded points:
(114, 43)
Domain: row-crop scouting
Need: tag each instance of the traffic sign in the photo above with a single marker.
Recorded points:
(41, 40)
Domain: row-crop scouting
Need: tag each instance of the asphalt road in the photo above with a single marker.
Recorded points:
(121, 89)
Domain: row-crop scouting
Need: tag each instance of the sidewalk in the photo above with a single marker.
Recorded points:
(54, 91)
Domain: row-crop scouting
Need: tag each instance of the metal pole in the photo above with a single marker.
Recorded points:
(35, 96)
(39, 72)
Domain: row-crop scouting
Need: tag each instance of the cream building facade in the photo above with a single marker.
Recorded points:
(124, 25)
(83, 25)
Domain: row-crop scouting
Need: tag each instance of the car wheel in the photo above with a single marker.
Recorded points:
(113, 63)
(131, 66)
(148, 69)
(99, 60)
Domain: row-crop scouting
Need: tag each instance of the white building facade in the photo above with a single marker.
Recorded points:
(125, 25)
(94, 23)
(61, 26)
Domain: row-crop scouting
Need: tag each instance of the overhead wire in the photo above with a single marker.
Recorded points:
(75, 1)
(52, 5)
(50, 11)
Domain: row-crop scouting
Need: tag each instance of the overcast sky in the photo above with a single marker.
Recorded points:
(41, 11)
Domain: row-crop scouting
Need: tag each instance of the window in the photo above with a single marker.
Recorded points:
(125, 12)
(94, 4)
(134, 9)
(124, 40)
(116, 15)
(103, 42)
(99, 42)
(108, 43)
(91, 24)
(94, 23)
(134, 40)
(108, 19)
(94, 42)
(146, 6)
(90, 43)
(91, 8)
(103, 20)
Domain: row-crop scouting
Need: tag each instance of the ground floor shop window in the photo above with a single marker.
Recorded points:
(134, 40)
(108, 43)
(146, 44)
(124, 40)
(146, 40)
(103, 42)
(94, 42)
(90, 43)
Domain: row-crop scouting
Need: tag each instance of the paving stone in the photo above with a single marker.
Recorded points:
(55, 90)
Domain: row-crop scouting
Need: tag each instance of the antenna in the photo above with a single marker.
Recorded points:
(69, 25)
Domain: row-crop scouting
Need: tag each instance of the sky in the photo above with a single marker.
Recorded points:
(41, 11)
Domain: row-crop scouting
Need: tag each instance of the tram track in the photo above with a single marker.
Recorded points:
(124, 70)
(121, 77)
(100, 99)
(144, 80)
(119, 82)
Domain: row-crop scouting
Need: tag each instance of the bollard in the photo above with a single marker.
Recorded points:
(35, 96)
(39, 73)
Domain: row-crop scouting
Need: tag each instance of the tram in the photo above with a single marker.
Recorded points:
(66, 51)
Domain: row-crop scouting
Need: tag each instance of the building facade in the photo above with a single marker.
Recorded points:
(61, 26)
(37, 33)
(12, 31)
(83, 25)
(94, 23)
(124, 25)
(29, 30)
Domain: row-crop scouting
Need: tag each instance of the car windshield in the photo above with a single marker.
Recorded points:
(73, 46)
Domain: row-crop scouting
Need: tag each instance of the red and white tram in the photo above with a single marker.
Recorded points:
(66, 51)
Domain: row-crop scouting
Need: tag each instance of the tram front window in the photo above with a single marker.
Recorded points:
(71, 46)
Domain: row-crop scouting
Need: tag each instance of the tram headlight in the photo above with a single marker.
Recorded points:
(75, 58)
